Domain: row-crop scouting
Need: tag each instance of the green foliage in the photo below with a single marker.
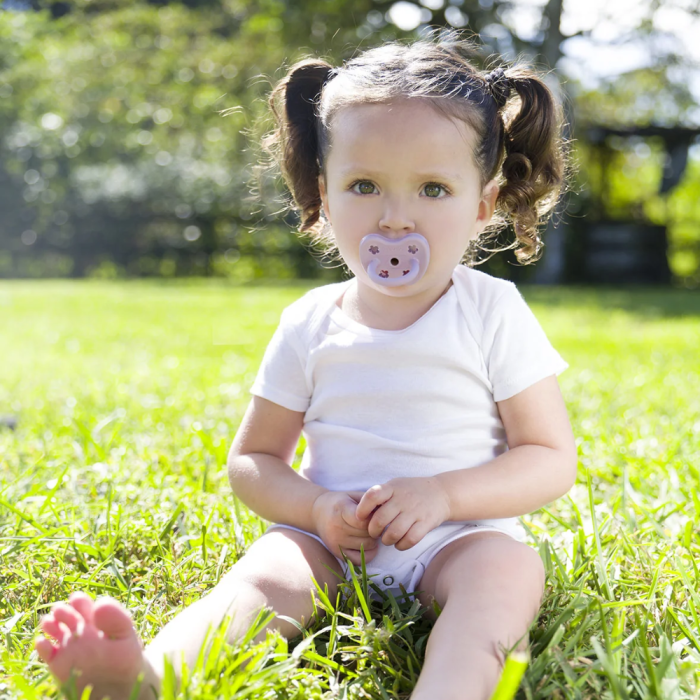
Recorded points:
(644, 96)
(130, 132)
(129, 394)
(125, 136)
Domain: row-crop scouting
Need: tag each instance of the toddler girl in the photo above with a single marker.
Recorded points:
(426, 389)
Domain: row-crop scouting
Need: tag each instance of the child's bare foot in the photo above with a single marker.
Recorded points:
(98, 641)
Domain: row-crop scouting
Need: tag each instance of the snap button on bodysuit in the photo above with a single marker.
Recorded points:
(388, 580)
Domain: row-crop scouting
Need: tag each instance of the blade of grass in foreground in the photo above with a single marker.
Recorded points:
(358, 590)
(513, 671)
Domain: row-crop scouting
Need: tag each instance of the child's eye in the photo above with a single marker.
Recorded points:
(364, 187)
(432, 190)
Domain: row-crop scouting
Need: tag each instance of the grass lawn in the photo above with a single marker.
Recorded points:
(128, 395)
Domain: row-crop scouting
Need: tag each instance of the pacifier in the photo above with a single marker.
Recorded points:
(392, 262)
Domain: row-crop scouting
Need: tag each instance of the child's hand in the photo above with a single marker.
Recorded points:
(338, 526)
(410, 506)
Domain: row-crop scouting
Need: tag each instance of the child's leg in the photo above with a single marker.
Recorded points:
(489, 587)
(275, 572)
(99, 641)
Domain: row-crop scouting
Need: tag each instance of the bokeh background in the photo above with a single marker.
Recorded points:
(128, 132)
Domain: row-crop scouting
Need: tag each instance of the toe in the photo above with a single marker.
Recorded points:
(84, 604)
(66, 614)
(45, 649)
(112, 618)
(50, 626)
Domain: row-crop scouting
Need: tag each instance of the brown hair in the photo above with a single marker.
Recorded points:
(519, 136)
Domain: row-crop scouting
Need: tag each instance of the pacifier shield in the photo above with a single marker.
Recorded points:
(393, 262)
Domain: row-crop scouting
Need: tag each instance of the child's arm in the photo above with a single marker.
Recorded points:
(261, 476)
(539, 467)
(259, 465)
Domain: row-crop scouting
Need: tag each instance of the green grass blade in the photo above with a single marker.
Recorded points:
(513, 671)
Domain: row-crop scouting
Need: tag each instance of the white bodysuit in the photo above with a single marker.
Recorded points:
(381, 404)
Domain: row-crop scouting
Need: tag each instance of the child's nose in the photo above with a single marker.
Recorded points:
(396, 217)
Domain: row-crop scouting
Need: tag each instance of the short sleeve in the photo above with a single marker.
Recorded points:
(281, 377)
(516, 348)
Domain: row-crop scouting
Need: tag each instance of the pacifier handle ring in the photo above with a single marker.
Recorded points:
(395, 281)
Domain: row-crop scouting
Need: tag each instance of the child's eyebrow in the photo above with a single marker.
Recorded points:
(432, 175)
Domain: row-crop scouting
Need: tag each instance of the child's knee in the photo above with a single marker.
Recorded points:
(287, 561)
(239, 599)
(274, 582)
(255, 582)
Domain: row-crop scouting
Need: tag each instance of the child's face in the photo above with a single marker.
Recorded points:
(403, 168)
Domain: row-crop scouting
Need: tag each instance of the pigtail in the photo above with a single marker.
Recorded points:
(295, 142)
(533, 171)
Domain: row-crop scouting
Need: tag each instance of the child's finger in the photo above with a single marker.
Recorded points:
(371, 499)
(398, 528)
(351, 531)
(415, 534)
(348, 515)
(384, 516)
(356, 558)
(356, 542)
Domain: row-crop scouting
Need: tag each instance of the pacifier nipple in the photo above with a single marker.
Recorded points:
(393, 262)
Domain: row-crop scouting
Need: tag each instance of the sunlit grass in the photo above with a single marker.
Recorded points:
(127, 397)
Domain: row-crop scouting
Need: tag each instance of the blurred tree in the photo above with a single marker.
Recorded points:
(115, 142)
(117, 157)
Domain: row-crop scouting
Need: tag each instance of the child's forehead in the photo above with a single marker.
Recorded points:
(388, 115)
(407, 128)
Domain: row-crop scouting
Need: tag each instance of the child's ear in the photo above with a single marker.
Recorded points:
(487, 204)
(324, 195)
